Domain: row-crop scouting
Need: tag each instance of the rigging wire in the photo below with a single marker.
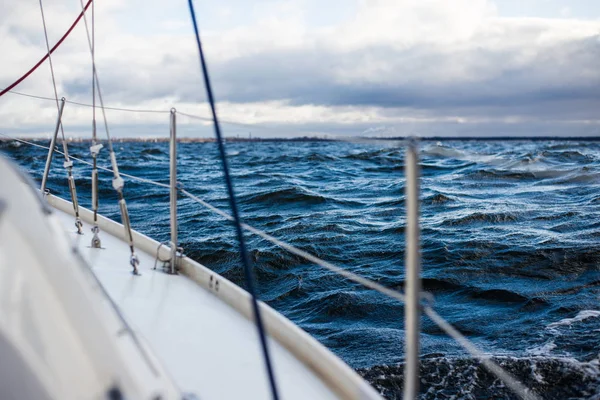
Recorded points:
(95, 106)
(22, 78)
(510, 381)
(117, 182)
(192, 116)
(121, 109)
(241, 124)
(95, 73)
(31, 95)
(93, 84)
(95, 147)
(188, 115)
(68, 163)
(137, 110)
(249, 275)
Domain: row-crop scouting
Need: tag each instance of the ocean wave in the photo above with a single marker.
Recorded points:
(581, 316)
(543, 350)
(580, 176)
(437, 198)
(438, 284)
(432, 169)
(480, 217)
(459, 378)
(15, 144)
(390, 155)
(320, 157)
(502, 174)
(394, 201)
(453, 285)
(385, 168)
(342, 304)
(499, 295)
(567, 156)
(296, 195)
(572, 289)
(504, 226)
(440, 150)
(552, 217)
(292, 194)
(155, 151)
(289, 159)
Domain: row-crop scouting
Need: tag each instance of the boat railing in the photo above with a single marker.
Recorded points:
(173, 188)
(52, 144)
(416, 302)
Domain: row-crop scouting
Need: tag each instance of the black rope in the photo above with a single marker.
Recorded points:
(234, 210)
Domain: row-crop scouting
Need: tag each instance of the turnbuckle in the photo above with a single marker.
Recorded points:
(134, 261)
(79, 226)
(96, 244)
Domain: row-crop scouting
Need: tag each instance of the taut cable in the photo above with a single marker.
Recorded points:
(95, 147)
(249, 274)
(117, 181)
(26, 74)
(68, 164)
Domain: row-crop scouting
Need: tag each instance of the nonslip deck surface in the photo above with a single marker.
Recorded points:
(209, 348)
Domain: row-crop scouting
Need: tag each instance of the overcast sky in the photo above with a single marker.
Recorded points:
(306, 67)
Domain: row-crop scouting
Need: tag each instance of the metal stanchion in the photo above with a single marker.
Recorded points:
(412, 314)
(52, 144)
(173, 190)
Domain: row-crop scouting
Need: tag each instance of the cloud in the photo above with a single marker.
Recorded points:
(430, 66)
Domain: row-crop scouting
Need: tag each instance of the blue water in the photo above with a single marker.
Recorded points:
(510, 245)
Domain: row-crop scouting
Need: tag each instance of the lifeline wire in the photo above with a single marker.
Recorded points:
(135, 110)
(234, 210)
(192, 116)
(510, 381)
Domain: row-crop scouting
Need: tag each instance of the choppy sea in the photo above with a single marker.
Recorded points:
(510, 246)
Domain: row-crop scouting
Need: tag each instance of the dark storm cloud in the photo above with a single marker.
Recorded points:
(564, 72)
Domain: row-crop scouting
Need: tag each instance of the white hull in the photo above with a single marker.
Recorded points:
(198, 324)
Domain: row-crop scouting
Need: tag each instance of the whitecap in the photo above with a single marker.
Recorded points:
(543, 350)
(583, 315)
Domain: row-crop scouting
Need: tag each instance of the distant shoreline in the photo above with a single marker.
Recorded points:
(340, 139)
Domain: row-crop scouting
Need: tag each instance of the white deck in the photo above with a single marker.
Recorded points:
(210, 349)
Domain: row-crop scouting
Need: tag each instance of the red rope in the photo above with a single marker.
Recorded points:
(15, 83)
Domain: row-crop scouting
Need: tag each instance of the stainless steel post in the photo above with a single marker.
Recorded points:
(412, 287)
(52, 144)
(173, 182)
